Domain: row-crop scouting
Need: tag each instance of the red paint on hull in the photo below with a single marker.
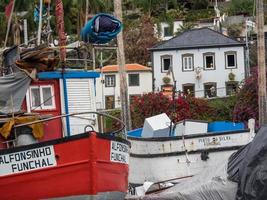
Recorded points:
(83, 168)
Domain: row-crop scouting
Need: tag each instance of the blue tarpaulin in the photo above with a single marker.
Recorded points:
(101, 29)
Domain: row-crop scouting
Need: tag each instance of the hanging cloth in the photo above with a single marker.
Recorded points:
(37, 128)
(101, 29)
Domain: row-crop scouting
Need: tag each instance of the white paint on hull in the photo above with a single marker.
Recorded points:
(164, 168)
(162, 159)
(191, 144)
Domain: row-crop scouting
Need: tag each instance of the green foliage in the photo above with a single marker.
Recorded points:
(3, 24)
(195, 15)
(166, 79)
(223, 108)
(234, 30)
(186, 107)
(200, 4)
(109, 123)
(147, 6)
(185, 27)
(241, 7)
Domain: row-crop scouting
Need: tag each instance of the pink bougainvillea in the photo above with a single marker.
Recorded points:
(182, 107)
(247, 103)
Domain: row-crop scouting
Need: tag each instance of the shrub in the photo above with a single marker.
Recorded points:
(183, 107)
(247, 100)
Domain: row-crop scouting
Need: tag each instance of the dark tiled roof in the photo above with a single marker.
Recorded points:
(197, 38)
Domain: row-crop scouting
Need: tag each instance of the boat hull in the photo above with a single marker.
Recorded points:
(161, 159)
(84, 167)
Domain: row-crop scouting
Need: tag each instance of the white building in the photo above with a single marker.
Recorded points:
(204, 62)
(164, 31)
(139, 80)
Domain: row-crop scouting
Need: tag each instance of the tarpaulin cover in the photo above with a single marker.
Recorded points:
(248, 167)
(101, 29)
(13, 88)
(210, 184)
(37, 128)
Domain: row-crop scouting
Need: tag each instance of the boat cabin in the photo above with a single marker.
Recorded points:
(56, 93)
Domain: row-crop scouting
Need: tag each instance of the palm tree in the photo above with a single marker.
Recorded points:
(94, 6)
(185, 27)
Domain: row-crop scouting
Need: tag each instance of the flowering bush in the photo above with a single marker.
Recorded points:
(183, 107)
(247, 104)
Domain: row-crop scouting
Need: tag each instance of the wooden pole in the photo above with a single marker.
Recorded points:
(126, 118)
(86, 11)
(261, 64)
(85, 21)
(9, 23)
(40, 23)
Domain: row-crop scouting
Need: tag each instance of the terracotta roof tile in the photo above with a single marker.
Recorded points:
(129, 67)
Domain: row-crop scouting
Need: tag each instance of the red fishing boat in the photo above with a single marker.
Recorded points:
(83, 166)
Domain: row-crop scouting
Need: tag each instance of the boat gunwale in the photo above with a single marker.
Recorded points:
(180, 137)
(63, 140)
(177, 153)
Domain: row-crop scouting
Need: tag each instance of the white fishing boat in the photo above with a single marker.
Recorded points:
(184, 151)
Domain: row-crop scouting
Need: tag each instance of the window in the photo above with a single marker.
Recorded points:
(166, 62)
(209, 61)
(231, 87)
(189, 89)
(230, 60)
(167, 31)
(133, 79)
(42, 97)
(110, 102)
(188, 62)
(210, 90)
(110, 81)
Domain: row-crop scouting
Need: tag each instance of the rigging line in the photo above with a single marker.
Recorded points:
(78, 113)
(43, 103)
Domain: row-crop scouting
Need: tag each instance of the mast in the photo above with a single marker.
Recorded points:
(126, 118)
(9, 23)
(261, 64)
(40, 23)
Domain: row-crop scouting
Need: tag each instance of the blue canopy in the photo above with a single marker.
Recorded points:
(101, 29)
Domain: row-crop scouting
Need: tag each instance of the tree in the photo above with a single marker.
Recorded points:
(199, 4)
(185, 27)
(138, 38)
(147, 6)
(241, 7)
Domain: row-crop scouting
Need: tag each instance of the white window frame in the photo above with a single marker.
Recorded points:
(226, 59)
(42, 106)
(186, 64)
(213, 60)
(110, 80)
(162, 62)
